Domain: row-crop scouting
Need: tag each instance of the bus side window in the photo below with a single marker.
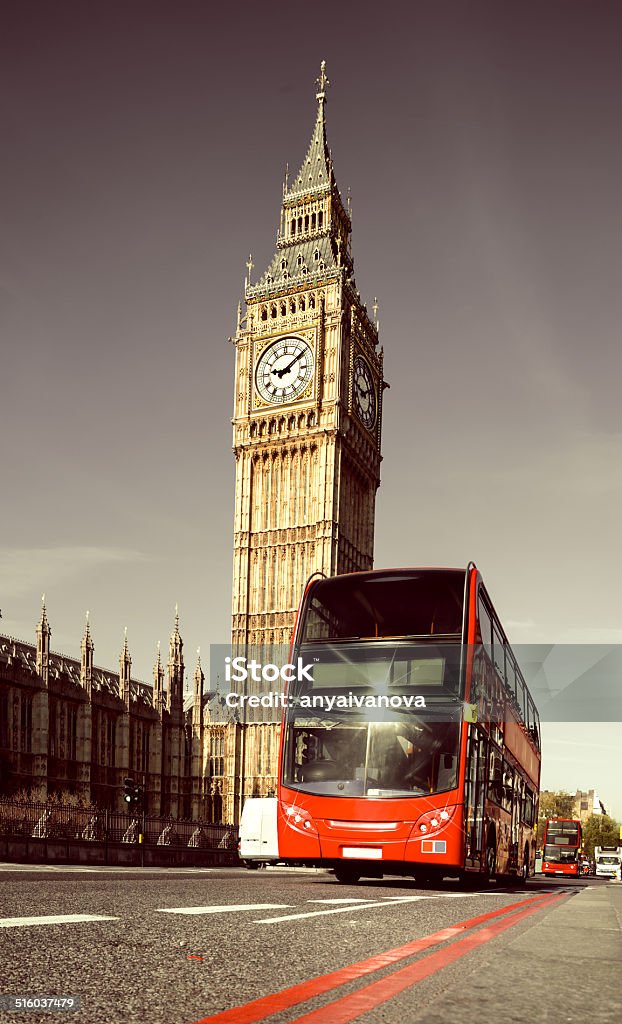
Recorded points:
(498, 653)
(510, 667)
(495, 777)
(485, 626)
(528, 805)
(508, 787)
(535, 729)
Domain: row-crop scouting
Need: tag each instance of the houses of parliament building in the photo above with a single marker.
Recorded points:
(308, 388)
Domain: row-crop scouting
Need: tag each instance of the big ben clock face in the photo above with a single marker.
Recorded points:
(284, 370)
(363, 393)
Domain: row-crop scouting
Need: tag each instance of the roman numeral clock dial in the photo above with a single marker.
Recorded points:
(364, 393)
(284, 370)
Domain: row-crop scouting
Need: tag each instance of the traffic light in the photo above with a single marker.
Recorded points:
(132, 792)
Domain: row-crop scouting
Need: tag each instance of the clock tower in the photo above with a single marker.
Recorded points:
(307, 419)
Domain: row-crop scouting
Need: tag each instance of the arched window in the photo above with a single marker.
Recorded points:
(273, 311)
(320, 217)
(264, 313)
(313, 221)
(293, 226)
(299, 259)
(307, 222)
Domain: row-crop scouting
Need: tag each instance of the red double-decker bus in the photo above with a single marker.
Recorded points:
(410, 742)
(562, 847)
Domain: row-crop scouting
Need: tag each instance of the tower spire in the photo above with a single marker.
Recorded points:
(317, 169)
(314, 224)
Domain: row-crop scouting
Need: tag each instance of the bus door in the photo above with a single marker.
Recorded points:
(474, 795)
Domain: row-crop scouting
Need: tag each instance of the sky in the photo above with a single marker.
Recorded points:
(144, 152)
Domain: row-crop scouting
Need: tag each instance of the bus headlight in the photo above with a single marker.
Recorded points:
(299, 819)
(433, 821)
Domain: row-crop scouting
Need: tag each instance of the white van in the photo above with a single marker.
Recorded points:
(258, 834)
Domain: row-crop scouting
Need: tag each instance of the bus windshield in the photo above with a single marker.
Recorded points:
(378, 720)
(560, 854)
(340, 756)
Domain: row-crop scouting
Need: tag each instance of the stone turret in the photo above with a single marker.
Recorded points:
(86, 668)
(176, 672)
(43, 645)
(158, 684)
(125, 672)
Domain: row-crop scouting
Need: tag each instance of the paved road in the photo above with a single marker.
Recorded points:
(177, 946)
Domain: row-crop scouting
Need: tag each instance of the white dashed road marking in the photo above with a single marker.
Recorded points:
(226, 909)
(342, 910)
(353, 899)
(24, 922)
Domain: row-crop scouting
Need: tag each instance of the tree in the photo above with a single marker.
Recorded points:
(600, 830)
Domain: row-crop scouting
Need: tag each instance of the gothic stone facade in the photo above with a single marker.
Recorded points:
(74, 731)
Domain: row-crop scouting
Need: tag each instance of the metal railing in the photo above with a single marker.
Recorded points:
(89, 824)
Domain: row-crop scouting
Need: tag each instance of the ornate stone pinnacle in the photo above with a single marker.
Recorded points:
(322, 83)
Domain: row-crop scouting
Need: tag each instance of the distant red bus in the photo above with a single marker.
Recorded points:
(562, 847)
(372, 784)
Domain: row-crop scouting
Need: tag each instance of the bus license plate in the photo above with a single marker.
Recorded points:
(362, 852)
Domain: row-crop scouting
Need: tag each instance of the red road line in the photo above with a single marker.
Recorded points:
(349, 1007)
(266, 1006)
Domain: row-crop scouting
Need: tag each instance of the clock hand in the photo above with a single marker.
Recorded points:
(286, 369)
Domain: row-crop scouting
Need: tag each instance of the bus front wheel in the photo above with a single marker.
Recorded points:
(347, 876)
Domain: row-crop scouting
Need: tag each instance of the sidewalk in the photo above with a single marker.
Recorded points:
(565, 967)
